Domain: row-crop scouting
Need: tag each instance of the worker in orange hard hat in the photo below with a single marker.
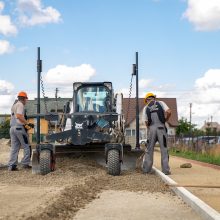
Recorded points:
(18, 134)
(155, 114)
(22, 94)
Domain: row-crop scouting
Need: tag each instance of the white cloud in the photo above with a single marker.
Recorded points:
(2, 5)
(6, 96)
(204, 97)
(5, 47)
(32, 12)
(204, 14)
(63, 75)
(144, 83)
(211, 79)
(6, 87)
(6, 102)
(6, 27)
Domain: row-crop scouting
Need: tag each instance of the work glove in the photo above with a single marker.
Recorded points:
(29, 126)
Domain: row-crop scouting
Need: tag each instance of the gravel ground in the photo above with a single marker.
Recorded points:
(76, 181)
(79, 184)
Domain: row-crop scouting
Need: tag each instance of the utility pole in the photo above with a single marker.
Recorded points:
(56, 96)
(190, 119)
(190, 113)
(39, 70)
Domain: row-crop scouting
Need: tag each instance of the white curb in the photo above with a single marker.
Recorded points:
(204, 210)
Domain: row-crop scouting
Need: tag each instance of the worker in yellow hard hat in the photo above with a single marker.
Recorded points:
(155, 114)
(148, 97)
(18, 134)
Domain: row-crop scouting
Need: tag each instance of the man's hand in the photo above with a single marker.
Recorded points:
(167, 114)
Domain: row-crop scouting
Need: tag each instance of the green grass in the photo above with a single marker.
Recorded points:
(196, 156)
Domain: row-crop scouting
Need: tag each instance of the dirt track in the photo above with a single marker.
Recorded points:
(77, 181)
(197, 175)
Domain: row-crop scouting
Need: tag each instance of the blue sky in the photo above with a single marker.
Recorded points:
(96, 40)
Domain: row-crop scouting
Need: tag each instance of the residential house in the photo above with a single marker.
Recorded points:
(211, 126)
(52, 105)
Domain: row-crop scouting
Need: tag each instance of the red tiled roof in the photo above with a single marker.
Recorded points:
(171, 102)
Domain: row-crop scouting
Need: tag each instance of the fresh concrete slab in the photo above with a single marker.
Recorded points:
(114, 205)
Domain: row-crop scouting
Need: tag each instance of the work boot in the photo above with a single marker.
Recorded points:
(167, 173)
(12, 168)
(26, 166)
(150, 172)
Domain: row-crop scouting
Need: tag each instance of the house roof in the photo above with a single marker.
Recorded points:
(210, 125)
(31, 106)
(171, 102)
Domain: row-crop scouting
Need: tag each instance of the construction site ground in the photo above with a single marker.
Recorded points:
(80, 189)
(200, 174)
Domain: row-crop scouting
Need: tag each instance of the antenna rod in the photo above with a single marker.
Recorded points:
(39, 70)
(137, 104)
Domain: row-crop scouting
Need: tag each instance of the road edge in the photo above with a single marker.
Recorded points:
(203, 209)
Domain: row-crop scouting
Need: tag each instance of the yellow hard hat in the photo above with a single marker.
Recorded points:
(149, 94)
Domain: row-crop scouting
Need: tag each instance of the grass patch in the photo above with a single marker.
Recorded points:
(204, 157)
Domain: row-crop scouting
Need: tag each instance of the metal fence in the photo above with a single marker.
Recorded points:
(196, 143)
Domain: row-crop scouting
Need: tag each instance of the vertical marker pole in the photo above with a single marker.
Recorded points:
(39, 70)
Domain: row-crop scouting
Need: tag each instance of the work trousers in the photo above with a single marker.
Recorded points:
(19, 138)
(156, 133)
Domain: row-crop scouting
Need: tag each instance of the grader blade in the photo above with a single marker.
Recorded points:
(35, 162)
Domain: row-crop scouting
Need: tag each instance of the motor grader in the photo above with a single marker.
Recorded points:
(91, 122)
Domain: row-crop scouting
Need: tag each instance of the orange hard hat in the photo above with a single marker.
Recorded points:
(23, 94)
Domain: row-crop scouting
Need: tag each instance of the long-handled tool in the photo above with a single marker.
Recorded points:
(195, 186)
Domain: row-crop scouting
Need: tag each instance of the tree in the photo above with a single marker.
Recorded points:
(5, 129)
(184, 127)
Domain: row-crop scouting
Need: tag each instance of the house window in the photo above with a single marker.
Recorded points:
(130, 132)
(133, 132)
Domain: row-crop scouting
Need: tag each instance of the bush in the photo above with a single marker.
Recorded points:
(5, 129)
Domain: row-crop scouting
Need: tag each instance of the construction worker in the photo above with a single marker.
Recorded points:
(18, 134)
(155, 114)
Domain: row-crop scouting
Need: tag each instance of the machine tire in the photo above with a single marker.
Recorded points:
(45, 162)
(113, 162)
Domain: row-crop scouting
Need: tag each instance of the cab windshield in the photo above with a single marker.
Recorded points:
(93, 98)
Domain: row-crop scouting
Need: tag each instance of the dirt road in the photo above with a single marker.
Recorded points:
(197, 175)
(78, 184)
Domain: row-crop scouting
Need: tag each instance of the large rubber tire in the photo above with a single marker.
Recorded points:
(45, 162)
(113, 162)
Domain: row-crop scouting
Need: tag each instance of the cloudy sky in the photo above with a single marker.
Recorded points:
(84, 40)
